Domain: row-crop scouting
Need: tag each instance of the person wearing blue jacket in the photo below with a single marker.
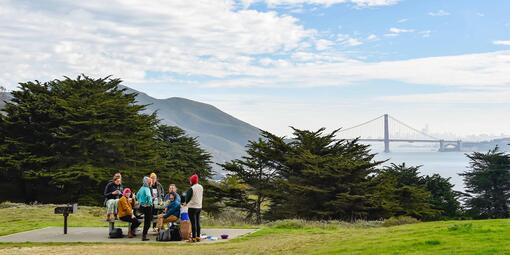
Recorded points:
(172, 211)
(144, 198)
(172, 189)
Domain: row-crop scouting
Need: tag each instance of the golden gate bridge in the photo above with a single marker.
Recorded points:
(394, 130)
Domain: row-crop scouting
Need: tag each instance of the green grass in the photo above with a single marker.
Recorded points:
(20, 217)
(285, 237)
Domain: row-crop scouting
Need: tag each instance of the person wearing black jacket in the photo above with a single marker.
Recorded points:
(112, 194)
(158, 194)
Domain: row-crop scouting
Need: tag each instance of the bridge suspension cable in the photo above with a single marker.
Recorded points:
(414, 129)
(361, 124)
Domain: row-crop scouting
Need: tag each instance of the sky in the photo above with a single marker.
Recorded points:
(440, 65)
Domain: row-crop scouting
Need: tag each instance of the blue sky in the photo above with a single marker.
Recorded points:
(276, 63)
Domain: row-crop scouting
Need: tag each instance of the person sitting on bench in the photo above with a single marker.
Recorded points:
(172, 188)
(172, 211)
(112, 193)
(125, 212)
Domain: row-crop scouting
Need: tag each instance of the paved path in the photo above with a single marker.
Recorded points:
(100, 234)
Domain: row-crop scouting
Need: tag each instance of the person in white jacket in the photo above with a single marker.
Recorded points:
(193, 201)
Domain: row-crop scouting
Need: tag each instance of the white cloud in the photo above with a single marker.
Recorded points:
(402, 20)
(502, 42)
(400, 30)
(347, 40)
(439, 13)
(372, 37)
(127, 38)
(323, 44)
(482, 70)
(463, 97)
(358, 3)
(397, 31)
(236, 47)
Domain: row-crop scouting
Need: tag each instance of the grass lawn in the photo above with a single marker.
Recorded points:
(288, 237)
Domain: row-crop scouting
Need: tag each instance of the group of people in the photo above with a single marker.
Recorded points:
(151, 200)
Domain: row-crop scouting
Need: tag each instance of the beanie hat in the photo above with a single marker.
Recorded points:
(126, 190)
(193, 179)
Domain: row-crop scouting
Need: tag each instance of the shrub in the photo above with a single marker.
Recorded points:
(461, 227)
(400, 220)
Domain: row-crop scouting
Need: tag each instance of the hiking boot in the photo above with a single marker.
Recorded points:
(198, 239)
(130, 234)
(144, 238)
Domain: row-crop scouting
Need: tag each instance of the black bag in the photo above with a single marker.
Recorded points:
(175, 233)
(116, 233)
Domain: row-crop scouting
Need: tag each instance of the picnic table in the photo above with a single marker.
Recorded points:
(158, 208)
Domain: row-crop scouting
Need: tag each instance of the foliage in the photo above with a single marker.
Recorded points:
(319, 176)
(62, 141)
(399, 220)
(251, 180)
(442, 197)
(488, 184)
(400, 190)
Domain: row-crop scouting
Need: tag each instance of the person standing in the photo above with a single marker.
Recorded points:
(144, 198)
(112, 194)
(158, 193)
(193, 200)
(126, 204)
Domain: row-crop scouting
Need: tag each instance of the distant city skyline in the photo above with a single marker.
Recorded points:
(281, 63)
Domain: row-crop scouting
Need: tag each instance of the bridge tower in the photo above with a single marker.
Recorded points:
(386, 134)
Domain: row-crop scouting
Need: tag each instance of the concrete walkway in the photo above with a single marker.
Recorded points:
(99, 234)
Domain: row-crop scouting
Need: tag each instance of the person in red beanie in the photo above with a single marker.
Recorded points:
(193, 200)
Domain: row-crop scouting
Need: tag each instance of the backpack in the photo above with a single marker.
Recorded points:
(116, 233)
(163, 236)
(175, 233)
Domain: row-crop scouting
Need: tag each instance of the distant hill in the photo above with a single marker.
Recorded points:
(223, 135)
(219, 133)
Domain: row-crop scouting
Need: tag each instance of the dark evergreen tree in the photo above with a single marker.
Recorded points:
(180, 156)
(252, 179)
(321, 177)
(400, 191)
(65, 138)
(488, 184)
(442, 197)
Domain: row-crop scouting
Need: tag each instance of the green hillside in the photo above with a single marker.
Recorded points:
(221, 134)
